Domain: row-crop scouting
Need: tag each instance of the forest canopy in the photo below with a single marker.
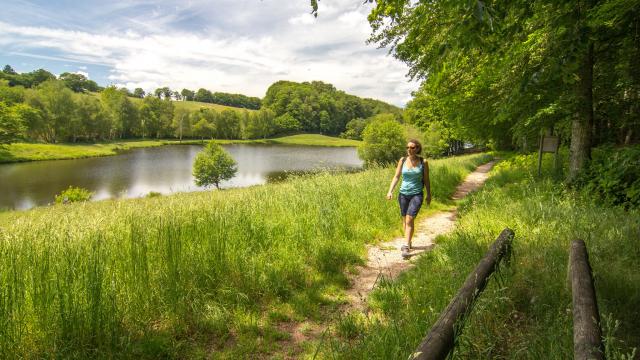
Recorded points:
(504, 72)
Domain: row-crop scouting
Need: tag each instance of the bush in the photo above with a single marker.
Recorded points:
(213, 165)
(73, 194)
(384, 140)
(613, 177)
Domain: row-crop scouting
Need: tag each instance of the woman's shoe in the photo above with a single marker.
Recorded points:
(405, 251)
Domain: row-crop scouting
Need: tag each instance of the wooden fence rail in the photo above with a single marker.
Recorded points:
(440, 340)
(587, 343)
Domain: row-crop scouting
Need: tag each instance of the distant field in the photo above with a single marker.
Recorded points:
(314, 139)
(191, 105)
(19, 152)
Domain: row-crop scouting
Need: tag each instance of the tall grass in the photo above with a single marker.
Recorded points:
(186, 275)
(525, 312)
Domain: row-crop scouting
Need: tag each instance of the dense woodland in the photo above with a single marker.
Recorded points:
(501, 73)
(38, 106)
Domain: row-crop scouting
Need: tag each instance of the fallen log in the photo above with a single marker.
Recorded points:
(587, 338)
(440, 340)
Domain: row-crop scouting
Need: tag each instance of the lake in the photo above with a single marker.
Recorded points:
(165, 169)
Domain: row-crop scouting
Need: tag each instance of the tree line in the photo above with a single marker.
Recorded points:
(319, 107)
(502, 73)
(80, 83)
(51, 112)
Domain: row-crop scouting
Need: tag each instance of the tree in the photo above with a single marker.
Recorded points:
(9, 70)
(121, 112)
(163, 93)
(228, 125)
(286, 124)
(516, 68)
(55, 101)
(213, 165)
(203, 95)
(11, 126)
(383, 141)
(181, 123)
(187, 94)
(139, 93)
(203, 129)
(354, 129)
(75, 82)
(156, 117)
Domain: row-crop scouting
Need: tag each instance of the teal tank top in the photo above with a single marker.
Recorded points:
(411, 179)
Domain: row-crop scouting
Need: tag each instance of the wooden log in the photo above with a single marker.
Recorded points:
(439, 342)
(587, 338)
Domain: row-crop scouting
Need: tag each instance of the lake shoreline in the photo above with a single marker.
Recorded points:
(160, 169)
(28, 152)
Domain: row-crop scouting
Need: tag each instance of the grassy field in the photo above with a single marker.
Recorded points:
(197, 275)
(525, 312)
(189, 105)
(33, 152)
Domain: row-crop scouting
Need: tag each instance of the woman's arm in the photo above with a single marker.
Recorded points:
(425, 180)
(395, 179)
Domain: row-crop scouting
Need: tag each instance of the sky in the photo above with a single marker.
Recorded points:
(234, 46)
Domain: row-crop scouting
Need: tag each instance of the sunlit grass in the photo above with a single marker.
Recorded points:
(34, 151)
(190, 274)
(525, 312)
(314, 140)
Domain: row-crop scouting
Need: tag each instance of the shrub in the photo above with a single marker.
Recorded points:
(383, 141)
(73, 194)
(613, 177)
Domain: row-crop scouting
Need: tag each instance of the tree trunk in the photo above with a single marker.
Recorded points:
(582, 125)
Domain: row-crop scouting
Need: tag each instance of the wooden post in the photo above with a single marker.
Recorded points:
(587, 338)
(440, 339)
(540, 155)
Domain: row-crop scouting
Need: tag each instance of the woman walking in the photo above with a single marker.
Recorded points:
(415, 176)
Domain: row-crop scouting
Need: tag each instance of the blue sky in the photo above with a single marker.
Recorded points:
(237, 46)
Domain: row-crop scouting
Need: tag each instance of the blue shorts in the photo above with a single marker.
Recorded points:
(410, 204)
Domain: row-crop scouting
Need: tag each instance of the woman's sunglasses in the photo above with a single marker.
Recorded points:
(411, 147)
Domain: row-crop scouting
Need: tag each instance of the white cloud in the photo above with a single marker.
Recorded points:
(302, 19)
(84, 73)
(298, 47)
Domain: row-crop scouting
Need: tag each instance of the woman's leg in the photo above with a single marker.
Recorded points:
(408, 229)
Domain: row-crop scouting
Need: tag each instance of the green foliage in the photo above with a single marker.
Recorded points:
(354, 129)
(12, 127)
(156, 117)
(384, 140)
(613, 177)
(319, 107)
(502, 72)
(286, 123)
(213, 165)
(27, 80)
(73, 194)
(78, 82)
(191, 270)
(435, 140)
(524, 312)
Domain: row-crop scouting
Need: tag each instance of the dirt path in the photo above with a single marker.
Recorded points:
(385, 260)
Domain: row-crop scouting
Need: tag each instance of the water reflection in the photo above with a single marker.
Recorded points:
(164, 170)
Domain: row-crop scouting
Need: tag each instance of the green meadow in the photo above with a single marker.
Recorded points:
(194, 275)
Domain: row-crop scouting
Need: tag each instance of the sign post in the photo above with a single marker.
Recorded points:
(549, 144)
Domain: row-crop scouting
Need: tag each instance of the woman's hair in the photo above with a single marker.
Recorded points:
(417, 144)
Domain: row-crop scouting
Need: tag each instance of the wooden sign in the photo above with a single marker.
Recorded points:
(550, 144)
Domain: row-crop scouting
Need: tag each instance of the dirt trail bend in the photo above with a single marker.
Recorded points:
(385, 259)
